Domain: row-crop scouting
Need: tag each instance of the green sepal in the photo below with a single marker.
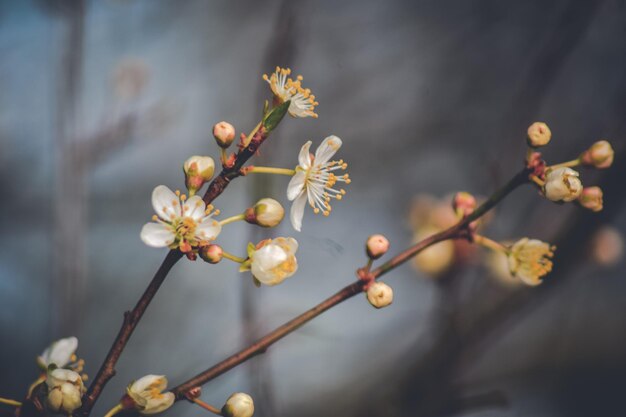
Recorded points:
(250, 249)
(274, 116)
(245, 266)
(257, 283)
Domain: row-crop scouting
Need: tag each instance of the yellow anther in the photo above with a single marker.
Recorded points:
(155, 217)
(326, 213)
(183, 197)
(217, 212)
(316, 210)
(73, 357)
(342, 191)
(177, 192)
(339, 196)
(84, 377)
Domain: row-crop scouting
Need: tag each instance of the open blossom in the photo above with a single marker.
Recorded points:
(238, 404)
(148, 396)
(59, 353)
(284, 88)
(179, 223)
(65, 389)
(562, 184)
(314, 180)
(274, 260)
(530, 260)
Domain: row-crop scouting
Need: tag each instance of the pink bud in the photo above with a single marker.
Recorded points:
(591, 198)
(224, 134)
(377, 246)
(211, 253)
(599, 155)
(463, 203)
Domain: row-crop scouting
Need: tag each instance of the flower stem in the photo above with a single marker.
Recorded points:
(490, 244)
(113, 411)
(8, 401)
(207, 406)
(270, 170)
(233, 257)
(233, 219)
(32, 387)
(537, 180)
(568, 164)
(249, 137)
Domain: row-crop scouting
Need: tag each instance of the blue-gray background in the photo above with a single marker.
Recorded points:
(102, 100)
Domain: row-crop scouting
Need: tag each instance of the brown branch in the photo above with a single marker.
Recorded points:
(132, 318)
(459, 230)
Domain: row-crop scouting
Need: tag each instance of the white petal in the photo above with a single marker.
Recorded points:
(157, 235)
(165, 203)
(297, 211)
(296, 184)
(60, 352)
(292, 244)
(194, 208)
(209, 229)
(327, 149)
(304, 157)
(157, 405)
(148, 382)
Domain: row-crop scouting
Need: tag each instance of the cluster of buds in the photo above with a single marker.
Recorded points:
(561, 183)
(378, 293)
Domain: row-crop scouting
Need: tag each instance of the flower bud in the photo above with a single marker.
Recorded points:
(599, 155)
(238, 404)
(198, 170)
(65, 389)
(147, 395)
(539, 134)
(379, 294)
(591, 198)
(224, 134)
(562, 184)
(463, 203)
(376, 246)
(607, 246)
(435, 259)
(267, 212)
(211, 253)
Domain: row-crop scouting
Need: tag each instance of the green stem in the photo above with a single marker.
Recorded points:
(233, 257)
(568, 164)
(8, 401)
(490, 244)
(271, 170)
(207, 406)
(113, 411)
(233, 219)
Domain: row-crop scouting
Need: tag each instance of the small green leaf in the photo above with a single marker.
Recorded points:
(273, 118)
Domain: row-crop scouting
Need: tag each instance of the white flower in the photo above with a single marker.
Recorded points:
(379, 294)
(314, 180)
(59, 353)
(562, 184)
(274, 260)
(530, 260)
(238, 404)
(148, 396)
(179, 223)
(284, 88)
(65, 389)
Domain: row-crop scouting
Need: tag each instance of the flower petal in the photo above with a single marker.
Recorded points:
(194, 208)
(148, 383)
(209, 229)
(157, 235)
(327, 149)
(296, 184)
(304, 157)
(297, 211)
(166, 204)
(61, 351)
(157, 405)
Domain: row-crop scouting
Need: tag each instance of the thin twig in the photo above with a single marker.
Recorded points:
(457, 231)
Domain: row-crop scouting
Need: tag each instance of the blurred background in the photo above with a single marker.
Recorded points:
(103, 100)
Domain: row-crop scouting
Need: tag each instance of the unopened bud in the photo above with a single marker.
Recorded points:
(198, 170)
(224, 134)
(267, 212)
(211, 253)
(599, 155)
(379, 294)
(591, 198)
(607, 246)
(562, 184)
(376, 246)
(238, 404)
(463, 203)
(539, 134)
